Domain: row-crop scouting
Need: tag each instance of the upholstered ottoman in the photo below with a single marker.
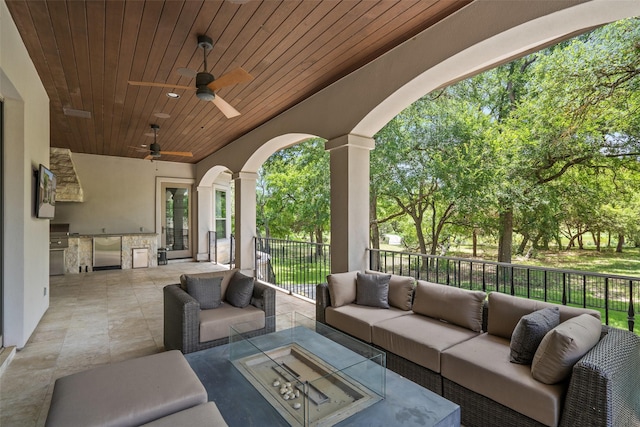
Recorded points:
(128, 393)
(200, 416)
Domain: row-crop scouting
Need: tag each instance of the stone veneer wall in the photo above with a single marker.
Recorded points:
(80, 251)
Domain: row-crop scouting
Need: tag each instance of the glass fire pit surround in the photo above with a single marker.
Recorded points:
(312, 374)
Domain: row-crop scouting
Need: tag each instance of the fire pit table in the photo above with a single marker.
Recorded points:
(309, 374)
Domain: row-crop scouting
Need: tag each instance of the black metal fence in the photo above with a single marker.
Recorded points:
(294, 266)
(612, 295)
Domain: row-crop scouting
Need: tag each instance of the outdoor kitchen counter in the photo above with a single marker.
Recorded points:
(79, 254)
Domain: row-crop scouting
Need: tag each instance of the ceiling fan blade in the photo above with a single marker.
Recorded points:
(139, 149)
(233, 77)
(149, 84)
(178, 153)
(225, 107)
(149, 157)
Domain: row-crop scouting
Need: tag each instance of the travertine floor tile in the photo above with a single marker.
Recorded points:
(95, 319)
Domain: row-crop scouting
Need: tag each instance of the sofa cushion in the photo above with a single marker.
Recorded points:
(400, 290)
(206, 290)
(205, 415)
(240, 290)
(342, 288)
(131, 392)
(356, 320)
(418, 338)
(530, 331)
(225, 274)
(214, 324)
(372, 290)
(563, 346)
(505, 312)
(482, 365)
(454, 305)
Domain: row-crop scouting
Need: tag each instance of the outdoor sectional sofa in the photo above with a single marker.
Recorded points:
(457, 343)
(189, 327)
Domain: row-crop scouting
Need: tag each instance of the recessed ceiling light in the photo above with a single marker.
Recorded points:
(143, 145)
(162, 115)
(173, 95)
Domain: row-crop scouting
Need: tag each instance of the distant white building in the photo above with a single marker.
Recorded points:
(393, 239)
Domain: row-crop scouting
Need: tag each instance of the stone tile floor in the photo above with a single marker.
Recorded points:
(95, 319)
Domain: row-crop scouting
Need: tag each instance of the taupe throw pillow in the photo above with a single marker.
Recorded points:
(240, 290)
(563, 346)
(342, 288)
(207, 291)
(530, 331)
(372, 290)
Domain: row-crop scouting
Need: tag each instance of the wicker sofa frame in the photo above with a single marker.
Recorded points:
(182, 322)
(603, 389)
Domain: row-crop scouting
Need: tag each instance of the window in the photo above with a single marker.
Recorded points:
(221, 214)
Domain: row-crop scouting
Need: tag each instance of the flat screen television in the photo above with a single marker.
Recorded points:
(46, 193)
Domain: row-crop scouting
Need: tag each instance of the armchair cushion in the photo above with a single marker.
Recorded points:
(240, 290)
(206, 291)
(372, 290)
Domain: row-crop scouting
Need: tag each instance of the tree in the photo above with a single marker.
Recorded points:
(293, 192)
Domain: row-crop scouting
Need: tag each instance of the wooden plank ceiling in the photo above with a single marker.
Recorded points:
(86, 51)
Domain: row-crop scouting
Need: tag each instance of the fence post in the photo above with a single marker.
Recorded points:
(564, 288)
(631, 319)
(606, 300)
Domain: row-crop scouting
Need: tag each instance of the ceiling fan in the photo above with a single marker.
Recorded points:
(154, 150)
(206, 84)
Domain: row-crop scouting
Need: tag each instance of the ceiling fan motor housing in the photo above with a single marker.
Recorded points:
(204, 92)
(155, 149)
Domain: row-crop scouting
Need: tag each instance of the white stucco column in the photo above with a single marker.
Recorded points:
(349, 165)
(245, 220)
(205, 221)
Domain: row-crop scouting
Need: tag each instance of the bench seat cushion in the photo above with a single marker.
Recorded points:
(127, 393)
(356, 320)
(206, 415)
(214, 323)
(482, 365)
(419, 338)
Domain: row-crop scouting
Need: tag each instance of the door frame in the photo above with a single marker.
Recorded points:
(2, 181)
(163, 182)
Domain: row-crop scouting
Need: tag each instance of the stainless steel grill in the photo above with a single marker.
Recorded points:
(58, 236)
(58, 242)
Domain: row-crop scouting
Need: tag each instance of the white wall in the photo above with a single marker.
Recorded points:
(119, 193)
(26, 143)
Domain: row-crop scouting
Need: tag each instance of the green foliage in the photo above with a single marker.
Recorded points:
(547, 146)
(293, 192)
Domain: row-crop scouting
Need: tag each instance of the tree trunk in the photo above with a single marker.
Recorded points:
(506, 234)
(319, 241)
(620, 243)
(374, 257)
(475, 243)
(596, 240)
(523, 244)
(580, 240)
(571, 242)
